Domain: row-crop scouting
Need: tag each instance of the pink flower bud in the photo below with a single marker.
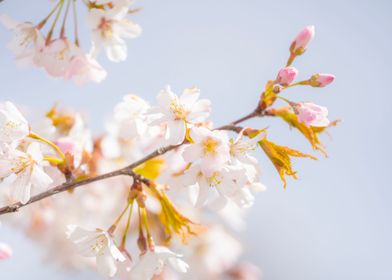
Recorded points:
(286, 76)
(5, 251)
(298, 46)
(66, 145)
(312, 114)
(321, 80)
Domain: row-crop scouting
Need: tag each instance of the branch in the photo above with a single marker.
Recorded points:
(127, 171)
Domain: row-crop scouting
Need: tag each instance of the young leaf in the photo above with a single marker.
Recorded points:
(281, 158)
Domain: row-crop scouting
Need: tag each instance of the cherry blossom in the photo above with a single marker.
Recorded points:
(210, 148)
(144, 164)
(99, 244)
(83, 68)
(13, 126)
(152, 263)
(26, 42)
(312, 114)
(109, 27)
(24, 170)
(5, 251)
(179, 112)
(130, 114)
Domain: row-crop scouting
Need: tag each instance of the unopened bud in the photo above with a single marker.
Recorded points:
(66, 145)
(286, 76)
(321, 80)
(300, 43)
(142, 242)
(5, 251)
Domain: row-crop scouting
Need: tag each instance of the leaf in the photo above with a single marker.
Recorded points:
(310, 132)
(281, 158)
(173, 221)
(151, 169)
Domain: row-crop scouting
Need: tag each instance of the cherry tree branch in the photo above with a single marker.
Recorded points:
(126, 171)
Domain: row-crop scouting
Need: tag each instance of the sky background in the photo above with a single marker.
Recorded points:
(333, 223)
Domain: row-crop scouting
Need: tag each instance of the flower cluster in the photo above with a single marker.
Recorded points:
(153, 164)
(61, 56)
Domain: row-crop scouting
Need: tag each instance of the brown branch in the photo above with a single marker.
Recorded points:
(127, 171)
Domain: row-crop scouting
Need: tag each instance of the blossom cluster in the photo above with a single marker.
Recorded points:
(62, 56)
(161, 192)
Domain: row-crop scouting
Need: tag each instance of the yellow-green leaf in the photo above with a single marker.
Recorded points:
(281, 158)
(151, 169)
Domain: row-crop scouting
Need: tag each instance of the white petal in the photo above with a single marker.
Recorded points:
(34, 150)
(5, 168)
(179, 265)
(166, 97)
(203, 194)
(8, 22)
(177, 131)
(117, 52)
(189, 97)
(192, 152)
(39, 178)
(128, 29)
(106, 264)
(116, 253)
(22, 187)
(200, 111)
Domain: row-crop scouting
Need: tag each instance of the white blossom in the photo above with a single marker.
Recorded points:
(99, 244)
(209, 148)
(26, 42)
(13, 126)
(130, 114)
(109, 27)
(152, 263)
(178, 112)
(24, 170)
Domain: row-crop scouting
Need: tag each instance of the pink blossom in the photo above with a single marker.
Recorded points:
(5, 251)
(321, 80)
(286, 76)
(302, 40)
(66, 145)
(83, 68)
(55, 56)
(312, 114)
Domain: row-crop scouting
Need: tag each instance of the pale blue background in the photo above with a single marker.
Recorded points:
(335, 222)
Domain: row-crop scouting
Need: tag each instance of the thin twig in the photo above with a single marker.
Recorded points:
(127, 171)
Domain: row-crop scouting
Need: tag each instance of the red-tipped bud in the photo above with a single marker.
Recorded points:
(286, 76)
(5, 251)
(300, 43)
(321, 80)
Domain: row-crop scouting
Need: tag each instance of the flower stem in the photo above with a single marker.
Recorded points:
(150, 240)
(50, 143)
(125, 233)
(75, 19)
(62, 32)
(115, 224)
(44, 21)
(50, 33)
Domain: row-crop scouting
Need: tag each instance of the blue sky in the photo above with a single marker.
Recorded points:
(333, 223)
